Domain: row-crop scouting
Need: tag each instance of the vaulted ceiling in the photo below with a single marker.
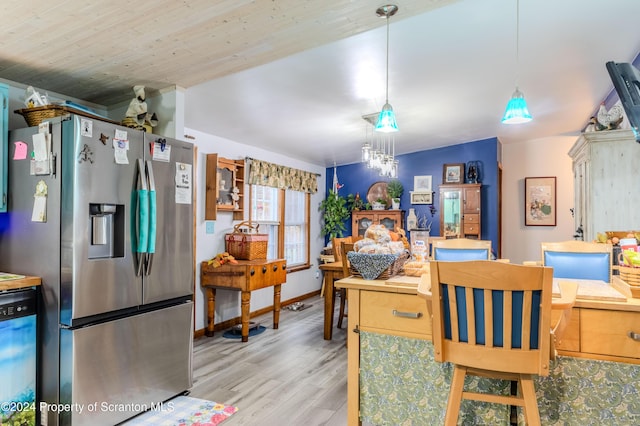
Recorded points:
(296, 76)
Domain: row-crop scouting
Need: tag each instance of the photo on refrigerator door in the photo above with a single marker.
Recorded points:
(18, 371)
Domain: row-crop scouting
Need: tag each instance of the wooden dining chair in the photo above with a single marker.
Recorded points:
(492, 320)
(459, 249)
(344, 249)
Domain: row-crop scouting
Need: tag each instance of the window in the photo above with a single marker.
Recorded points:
(264, 210)
(284, 217)
(295, 225)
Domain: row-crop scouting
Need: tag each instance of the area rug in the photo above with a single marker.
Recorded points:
(235, 333)
(184, 411)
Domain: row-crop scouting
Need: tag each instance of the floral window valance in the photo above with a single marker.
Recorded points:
(270, 174)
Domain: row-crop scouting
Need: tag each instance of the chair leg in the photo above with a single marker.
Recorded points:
(343, 297)
(455, 395)
(531, 414)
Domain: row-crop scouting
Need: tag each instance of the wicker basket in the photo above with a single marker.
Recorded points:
(36, 115)
(247, 245)
(630, 275)
(370, 260)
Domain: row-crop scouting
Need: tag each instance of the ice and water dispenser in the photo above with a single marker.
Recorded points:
(106, 230)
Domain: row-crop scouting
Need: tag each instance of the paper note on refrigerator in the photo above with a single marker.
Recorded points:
(40, 151)
(21, 151)
(39, 213)
(183, 183)
(161, 152)
(120, 148)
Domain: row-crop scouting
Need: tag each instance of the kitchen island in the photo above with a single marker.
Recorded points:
(393, 378)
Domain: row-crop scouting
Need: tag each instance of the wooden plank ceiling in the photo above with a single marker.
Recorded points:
(97, 50)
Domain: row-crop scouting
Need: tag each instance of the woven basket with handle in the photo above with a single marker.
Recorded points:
(245, 243)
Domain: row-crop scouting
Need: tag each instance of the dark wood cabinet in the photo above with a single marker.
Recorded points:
(361, 220)
(460, 211)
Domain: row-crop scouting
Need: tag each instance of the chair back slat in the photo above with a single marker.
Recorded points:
(488, 318)
(470, 316)
(488, 313)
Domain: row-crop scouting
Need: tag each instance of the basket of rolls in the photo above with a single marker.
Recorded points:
(376, 256)
(415, 268)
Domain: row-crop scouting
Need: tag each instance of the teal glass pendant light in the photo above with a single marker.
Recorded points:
(517, 111)
(387, 119)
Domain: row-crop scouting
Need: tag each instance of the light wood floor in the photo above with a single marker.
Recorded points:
(289, 376)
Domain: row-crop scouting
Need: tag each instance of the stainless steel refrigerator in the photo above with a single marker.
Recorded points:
(104, 215)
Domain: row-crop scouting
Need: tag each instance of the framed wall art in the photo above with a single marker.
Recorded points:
(422, 183)
(540, 201)
(453, 173)
(421, 197)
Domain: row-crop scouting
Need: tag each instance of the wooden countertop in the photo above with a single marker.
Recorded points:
(20, 283)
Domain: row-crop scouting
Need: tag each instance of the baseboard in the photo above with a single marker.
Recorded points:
(237, 320)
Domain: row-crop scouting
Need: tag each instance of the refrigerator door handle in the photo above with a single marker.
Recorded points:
(151, 249)
(141, 223)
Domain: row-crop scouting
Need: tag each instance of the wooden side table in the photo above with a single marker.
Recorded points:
(245, 276)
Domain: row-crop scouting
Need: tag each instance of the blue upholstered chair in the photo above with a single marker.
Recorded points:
(492, 319)
(458, 249)
(578, 260)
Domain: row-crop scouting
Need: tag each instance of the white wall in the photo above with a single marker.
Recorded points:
(535, 158)
(208, 245)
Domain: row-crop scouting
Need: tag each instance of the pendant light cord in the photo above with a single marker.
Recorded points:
(517, 43)
(387, 94)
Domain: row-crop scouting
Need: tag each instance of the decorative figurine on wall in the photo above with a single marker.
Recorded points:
(235, 196)
(137, 115)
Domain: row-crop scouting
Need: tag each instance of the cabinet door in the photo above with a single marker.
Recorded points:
(472, 199)
(390, 220)
(361, 221)
(4, 144)
(451, 212)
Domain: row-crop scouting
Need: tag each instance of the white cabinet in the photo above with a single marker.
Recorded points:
(606, 169)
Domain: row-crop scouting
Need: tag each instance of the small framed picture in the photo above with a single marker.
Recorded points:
(540, 201)
(453, 173)
(421, 197)
(422, 183)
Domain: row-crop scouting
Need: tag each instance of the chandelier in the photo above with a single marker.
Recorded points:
(379, 149)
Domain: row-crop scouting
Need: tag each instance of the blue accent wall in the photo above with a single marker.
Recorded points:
(356, 178)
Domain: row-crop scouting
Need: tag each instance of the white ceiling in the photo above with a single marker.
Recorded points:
(296, 76)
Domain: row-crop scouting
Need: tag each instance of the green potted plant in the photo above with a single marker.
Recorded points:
(379, 204)
(395, 190)
(356, 203)
(335, 212)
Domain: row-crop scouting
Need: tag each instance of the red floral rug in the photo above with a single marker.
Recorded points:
(184, 411)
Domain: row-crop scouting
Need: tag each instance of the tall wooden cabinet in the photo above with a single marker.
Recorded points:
(605, 172)
(460, 210)
(361, 220)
